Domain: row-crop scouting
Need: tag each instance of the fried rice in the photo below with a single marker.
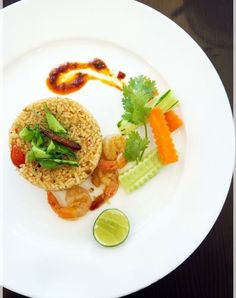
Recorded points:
(81, 127)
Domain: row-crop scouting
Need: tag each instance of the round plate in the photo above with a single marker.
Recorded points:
(46, 256)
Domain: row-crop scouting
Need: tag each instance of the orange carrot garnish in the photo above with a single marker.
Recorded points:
(161, 132)
(173, 121)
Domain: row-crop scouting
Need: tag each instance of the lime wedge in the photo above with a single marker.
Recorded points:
(111, 228)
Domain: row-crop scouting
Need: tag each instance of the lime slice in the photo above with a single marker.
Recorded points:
(111, 228)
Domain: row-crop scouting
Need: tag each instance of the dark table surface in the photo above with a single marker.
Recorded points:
(208, 272)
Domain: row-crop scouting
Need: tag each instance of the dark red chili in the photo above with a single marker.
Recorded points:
(68, 143)
(121, 75)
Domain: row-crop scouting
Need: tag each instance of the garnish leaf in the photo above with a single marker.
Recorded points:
(51, 147)
(27, 134)
(32, 135)
(135, 96)
(39, 153)
(48, 163)
(64, 150)
(135, 147)
(38, 137)
(53, 163)
(53, 123)
(30, 156)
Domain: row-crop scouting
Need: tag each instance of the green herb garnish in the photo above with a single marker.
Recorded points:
(52, 163)
(27, 134)
(32, 135)
(30, 156)
(38, 138)
(135, 96)
(39, 153)
(139, 91)
(135, 146)
(65, 150)
(53, 123)
(47, 152)
(51, 147)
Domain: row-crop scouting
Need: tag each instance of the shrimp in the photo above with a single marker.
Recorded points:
(113, 146)
(106, 164)
(106, 173)
(111, 182)
(95, 177)
(111, 165)
(78, 203)
(113, 185)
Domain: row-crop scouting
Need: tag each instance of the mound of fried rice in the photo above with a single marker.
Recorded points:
(81, 127)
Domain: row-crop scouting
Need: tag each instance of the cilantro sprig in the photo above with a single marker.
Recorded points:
(135, 96)
(139, 91)
(135, 146)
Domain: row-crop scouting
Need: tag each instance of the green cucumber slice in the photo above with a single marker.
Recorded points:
(139, 174)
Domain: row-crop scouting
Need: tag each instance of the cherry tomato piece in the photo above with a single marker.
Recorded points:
(17, 156)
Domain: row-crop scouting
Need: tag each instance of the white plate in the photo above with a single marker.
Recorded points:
(170, 216)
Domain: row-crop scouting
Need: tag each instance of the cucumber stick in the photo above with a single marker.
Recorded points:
(126, 127)
(165, 101)
(141, 173)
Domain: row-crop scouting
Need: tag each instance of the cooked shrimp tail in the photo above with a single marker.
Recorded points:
(98, 202)
(111, 183)
(121, 162)
(112, 187)
(78, 200)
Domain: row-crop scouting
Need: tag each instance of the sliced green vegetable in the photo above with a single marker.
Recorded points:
(66, 162)
(27, 134)
(135, 146)
(64, 150)
(30, 156)
(47, 152)
(52, 163)
(165, 101)
(39, 153)
(141, 173)
(32, 135)
(58, 150)
(126, 127)
(51, 147)
(53, 123)
(48, 163)
(38, 138)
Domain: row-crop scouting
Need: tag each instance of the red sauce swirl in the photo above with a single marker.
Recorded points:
(77, 76)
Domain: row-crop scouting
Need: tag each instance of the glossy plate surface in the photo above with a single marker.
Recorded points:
(48, 257)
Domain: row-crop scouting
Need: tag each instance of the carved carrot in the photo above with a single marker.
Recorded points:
(173, 121)
(162, 136)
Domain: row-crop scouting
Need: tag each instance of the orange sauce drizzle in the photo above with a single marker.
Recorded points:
(72, 76)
